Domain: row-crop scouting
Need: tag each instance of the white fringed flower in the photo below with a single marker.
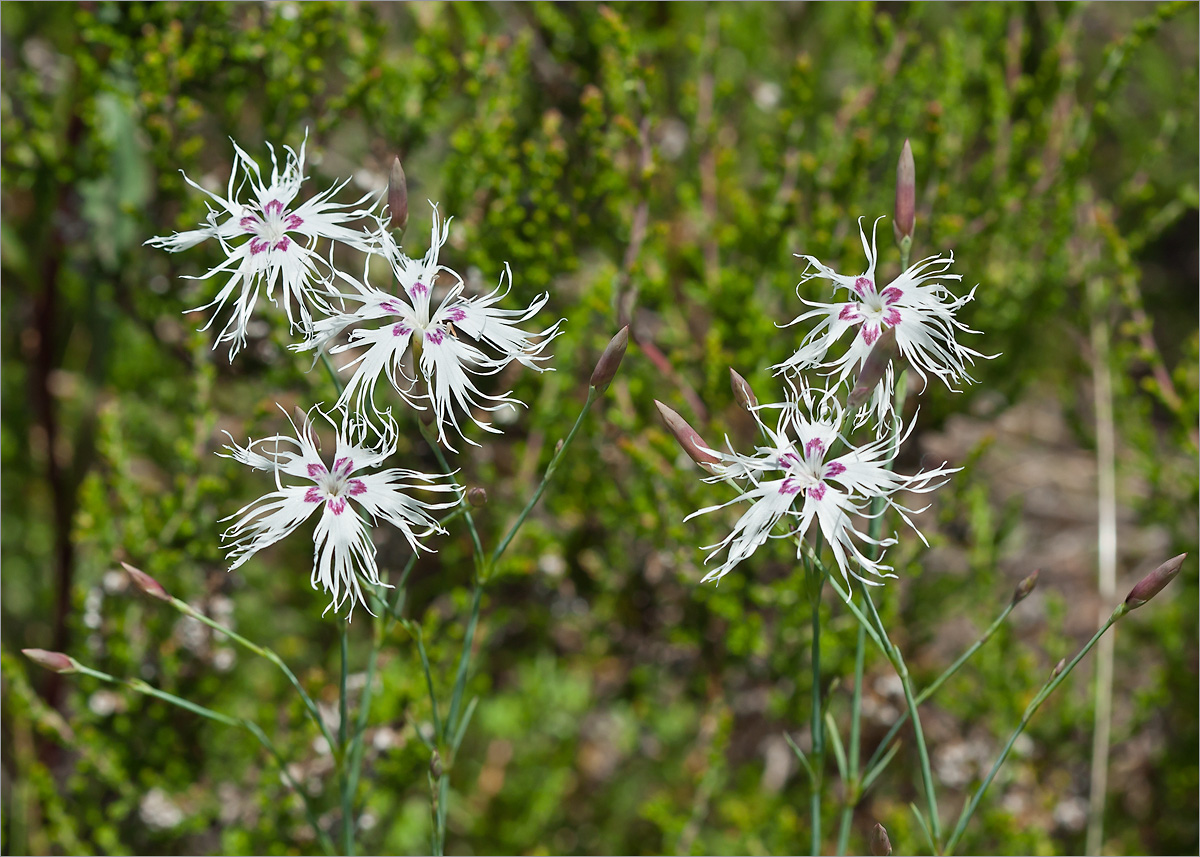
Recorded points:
(387, 325)
(345, 555)
(269, 240)
(795, 476)
(916, 304)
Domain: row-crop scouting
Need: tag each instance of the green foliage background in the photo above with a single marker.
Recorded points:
(660, 162)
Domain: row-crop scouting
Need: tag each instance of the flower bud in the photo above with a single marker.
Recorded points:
(477, 497)
(398, 196)
(146, 583)
(1153, 583)
(435, 765)
(1058, 668)
(906, 195)
(56, 662)
(873, 369)
(881, 846)
(610, 361)
(1025, 587)
(742, 393)
(691, 442)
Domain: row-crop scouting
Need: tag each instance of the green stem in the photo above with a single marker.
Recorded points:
(262, 652)
(1030, 710)
(938, 682)
(250, 726)
(347, 798)
(852, 786)
(431, 438)
(357, 742)
(550, 468)
(923, 752)
(816, 580)
(337, 382)
(464, 662)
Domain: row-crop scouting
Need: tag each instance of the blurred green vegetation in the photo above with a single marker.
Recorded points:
(659, 163)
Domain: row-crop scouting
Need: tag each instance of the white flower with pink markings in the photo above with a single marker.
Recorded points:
(270, 241)
(344, 555)
(796, 476)
(447, 339)
(916, 304)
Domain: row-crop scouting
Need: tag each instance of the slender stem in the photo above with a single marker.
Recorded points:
(550, 468)
(427, 432)
(347, 798)
(464, 662)
(938, 682)
(850, 800)
(922, 751)
(816, 581)
(250, 726)
(262, 652)
(357, 742)
(1106, 550)
(1030, 710)
(337, 382)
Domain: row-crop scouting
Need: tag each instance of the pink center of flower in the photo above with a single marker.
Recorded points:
(270, 230)
(418, 288)
(863, 286)
(456, 314)
(434, 336)
(834, 468)
(817, 491)
(401, 329)
(333, 487)
(390, 306)
(791, 485)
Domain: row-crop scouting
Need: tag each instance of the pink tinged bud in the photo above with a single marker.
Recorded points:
(881, 846)
(56, 662)
(146, 583)
(610, 361)
(398, 196)
(1153, 583)
(873, 369)
(1058, 668)
(435, 765)
(1025, 587)
(691, 442)
(906, 195)
(477, 497)
(742, 393)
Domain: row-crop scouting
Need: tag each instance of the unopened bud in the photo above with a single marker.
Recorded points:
(558, 446)
(1025, 587)
(146, 583)
(1153, 583)
(881, 846)
(905, 220)
(691, 442)
(306, 427)
(742, 393)
(873, 369)
(1058, 668)
(477, 497)
(435, 765)
(398, 196)
(56, 662)
(610, 360)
